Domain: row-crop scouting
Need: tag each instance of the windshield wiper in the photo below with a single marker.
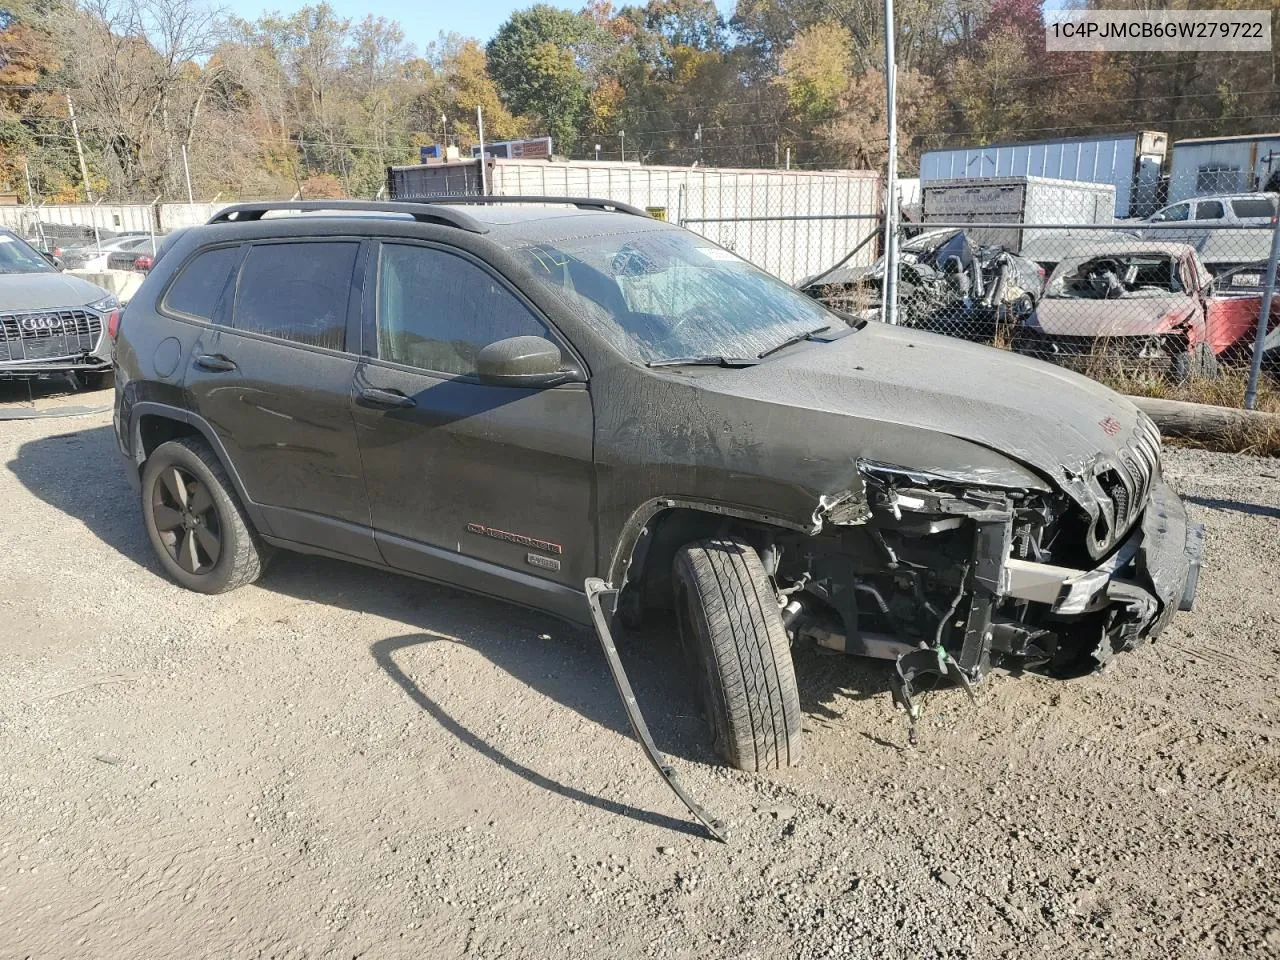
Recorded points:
(791, 340)
(714, 361)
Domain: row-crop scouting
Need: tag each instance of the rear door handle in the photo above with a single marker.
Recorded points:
(215, 362)
(386, 398)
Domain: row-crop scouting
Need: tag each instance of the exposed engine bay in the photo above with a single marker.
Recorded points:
(947, 578)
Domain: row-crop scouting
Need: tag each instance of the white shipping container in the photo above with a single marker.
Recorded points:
(791, 223)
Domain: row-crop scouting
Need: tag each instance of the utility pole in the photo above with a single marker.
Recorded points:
(622, 138)
(597, 153)
(31, 194)
(75, 132)
(186, 170)
(484, 182)
(698, 136)
(889, 285)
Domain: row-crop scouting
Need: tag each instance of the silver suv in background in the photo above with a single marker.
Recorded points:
(1214, 227)
(51, 323)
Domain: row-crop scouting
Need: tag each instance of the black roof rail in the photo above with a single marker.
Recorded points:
(582, 203)
(247, 212)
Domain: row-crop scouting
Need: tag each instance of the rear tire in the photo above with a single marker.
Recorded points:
(732, 628)
(194, 520)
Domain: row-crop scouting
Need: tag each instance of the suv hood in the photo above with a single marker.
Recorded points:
(22, 292)
(1050, 419)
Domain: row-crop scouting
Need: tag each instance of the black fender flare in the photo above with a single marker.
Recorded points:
(202, 426)
(633, 542)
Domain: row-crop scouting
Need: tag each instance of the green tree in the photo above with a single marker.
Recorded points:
(538, 61)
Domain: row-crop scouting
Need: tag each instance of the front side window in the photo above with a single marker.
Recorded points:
(198, 290)
(437, 310)
(665, 294)
(1209, 210)
(297, 291)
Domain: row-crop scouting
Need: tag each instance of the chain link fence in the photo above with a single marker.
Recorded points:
(1138, 303)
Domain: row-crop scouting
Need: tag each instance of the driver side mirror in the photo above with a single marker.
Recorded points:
(524, 362)
(1157, 218)
(54, 261)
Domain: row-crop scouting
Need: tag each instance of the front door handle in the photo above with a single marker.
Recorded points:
(215, 362)
(386, 398)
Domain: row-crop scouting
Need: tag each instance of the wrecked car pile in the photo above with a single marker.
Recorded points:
(946, 284)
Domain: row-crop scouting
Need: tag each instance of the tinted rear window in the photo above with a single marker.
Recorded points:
(1253, 208)
(297, 291)
(202, 283)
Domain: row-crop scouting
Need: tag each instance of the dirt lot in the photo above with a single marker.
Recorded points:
(339, 763)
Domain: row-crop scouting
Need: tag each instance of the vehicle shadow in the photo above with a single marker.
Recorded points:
(384, 652)
(81, 474)
(1240, 506)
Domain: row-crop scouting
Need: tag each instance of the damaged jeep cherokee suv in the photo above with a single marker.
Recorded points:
(572, 406)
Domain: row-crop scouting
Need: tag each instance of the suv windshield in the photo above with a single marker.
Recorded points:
(670, 295)
(17, 257)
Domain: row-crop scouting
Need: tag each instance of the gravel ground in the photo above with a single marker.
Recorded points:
(341, 763)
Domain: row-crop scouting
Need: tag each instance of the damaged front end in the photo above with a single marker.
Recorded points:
(947, 576)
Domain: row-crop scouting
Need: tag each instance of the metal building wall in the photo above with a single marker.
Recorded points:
(1245, 155)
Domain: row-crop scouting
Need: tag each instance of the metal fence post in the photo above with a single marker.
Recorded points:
(889, 285)
(1264, 316)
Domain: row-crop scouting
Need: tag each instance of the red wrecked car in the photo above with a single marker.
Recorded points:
(1148, 307)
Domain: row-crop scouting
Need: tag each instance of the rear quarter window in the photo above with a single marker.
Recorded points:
(200, 286)
(1253, 207)
(297, 291)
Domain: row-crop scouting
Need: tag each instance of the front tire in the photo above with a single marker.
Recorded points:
(194, 520)
(732, 628)
(1198, 363)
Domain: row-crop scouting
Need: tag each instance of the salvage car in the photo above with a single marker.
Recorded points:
(946, 284)
(1232, 310)
(569, 405)
(1146, 307)
(51, 324)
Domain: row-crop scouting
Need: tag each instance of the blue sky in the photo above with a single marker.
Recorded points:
(424, 20)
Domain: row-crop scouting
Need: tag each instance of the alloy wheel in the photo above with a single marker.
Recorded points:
(186, 519)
